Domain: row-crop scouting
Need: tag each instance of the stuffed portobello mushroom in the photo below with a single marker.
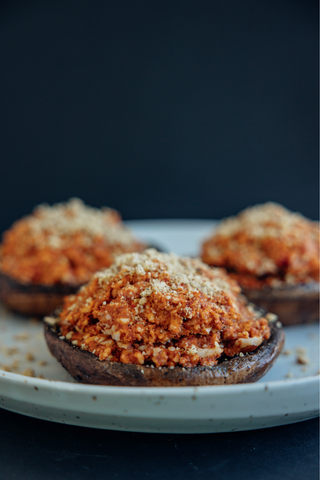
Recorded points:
(274, 256)
(156, 319)
(55, 250)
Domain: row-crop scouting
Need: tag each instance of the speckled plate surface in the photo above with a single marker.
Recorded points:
(33, 383)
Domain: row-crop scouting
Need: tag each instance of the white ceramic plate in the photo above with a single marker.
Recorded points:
(288, 393)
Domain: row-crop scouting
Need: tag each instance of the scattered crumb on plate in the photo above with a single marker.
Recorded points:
(29, 372)
(21, 336)
(302, 359)
(30, 357)
(11, 351)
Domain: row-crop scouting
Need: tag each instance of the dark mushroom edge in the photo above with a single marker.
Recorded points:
(87, 368)
(292, 304)
(32, 299)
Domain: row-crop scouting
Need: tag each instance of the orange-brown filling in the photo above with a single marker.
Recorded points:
(146, 318)
(266, 246)
(46, 255)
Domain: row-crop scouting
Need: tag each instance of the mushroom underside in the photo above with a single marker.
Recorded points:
(293, 305)
(33, 299)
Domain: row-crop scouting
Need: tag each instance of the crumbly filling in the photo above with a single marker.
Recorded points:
(65, 243)
(266, 245)
(158, 309)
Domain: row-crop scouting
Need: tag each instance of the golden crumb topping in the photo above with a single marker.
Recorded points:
(266, 245)
(64, 243)
(161, 310)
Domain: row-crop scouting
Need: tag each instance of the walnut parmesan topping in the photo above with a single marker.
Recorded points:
(266, 245)
(65, 243)
(161, 310)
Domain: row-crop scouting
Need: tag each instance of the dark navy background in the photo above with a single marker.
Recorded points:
(190, 109)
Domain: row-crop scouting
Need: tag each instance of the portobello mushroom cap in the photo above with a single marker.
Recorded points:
(292, 304)
(49, 230)
(270, 244)
(32, 299)
(87, 368)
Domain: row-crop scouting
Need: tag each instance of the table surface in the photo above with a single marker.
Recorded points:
(34, 449)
